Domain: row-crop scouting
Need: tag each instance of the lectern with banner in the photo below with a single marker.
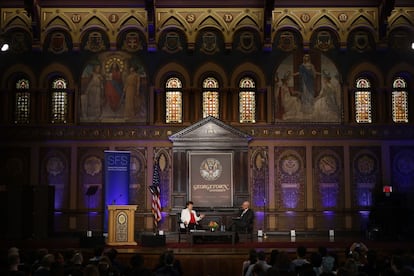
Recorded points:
(121, 224)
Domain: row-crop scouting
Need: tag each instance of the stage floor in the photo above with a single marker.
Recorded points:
(281, 241)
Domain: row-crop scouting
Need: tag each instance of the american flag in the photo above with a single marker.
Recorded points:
(155, 191)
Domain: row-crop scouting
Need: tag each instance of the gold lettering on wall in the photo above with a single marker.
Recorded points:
(113, 18)
(190, 18)
(228, 17)
(343, 17)
(76, 18)
(305, 17)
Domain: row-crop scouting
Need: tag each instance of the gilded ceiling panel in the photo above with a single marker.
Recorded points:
(402, 17)
(342, 20)
(14, 18)
(193, 20)
(81, 19)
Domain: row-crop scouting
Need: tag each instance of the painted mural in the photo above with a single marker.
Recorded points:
(307, 88)
(114, 89)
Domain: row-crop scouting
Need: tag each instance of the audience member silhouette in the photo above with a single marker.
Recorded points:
(168, 265)
(137, 267)
(13, 262)
(251, 259)
(260, 267)
(300, 259)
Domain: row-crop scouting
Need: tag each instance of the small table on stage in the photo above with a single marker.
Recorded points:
(206, 233)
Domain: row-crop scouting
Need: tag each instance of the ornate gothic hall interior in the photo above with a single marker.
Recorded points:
(303, 108)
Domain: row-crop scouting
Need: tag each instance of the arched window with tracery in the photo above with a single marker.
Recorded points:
(22, 102)
(363, 101)
(399, 101)
(174, 100)
(210, 97)
(247, 100)
(59, 101)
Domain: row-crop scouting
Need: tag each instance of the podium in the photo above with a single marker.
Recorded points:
(121, 224)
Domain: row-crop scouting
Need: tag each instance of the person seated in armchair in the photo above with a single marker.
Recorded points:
(244, 222)
(189, 217)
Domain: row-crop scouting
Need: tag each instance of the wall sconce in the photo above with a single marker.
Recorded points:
(4, 45)
(412, 45)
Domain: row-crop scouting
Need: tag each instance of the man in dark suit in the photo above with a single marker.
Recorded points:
(245, 219)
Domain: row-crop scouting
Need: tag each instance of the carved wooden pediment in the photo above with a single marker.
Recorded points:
(210, 133)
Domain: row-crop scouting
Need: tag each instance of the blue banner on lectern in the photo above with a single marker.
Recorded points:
(117, 166)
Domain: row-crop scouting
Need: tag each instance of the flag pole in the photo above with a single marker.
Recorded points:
(155, 192)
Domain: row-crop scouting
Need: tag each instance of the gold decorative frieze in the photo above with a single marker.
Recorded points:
(342, 20)
(401, 17)
(192, 20)
(14, 18)
(79, 20)
(161, 133)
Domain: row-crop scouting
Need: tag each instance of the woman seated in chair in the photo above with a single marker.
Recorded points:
(189, 217)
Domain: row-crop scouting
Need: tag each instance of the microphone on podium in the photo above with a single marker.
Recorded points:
(115, 199)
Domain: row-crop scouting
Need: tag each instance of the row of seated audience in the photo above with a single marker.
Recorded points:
(72, 263)
(358, 261)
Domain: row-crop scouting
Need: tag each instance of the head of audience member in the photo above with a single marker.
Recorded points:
(98, 251)
(301, 251)
(273, 256)
(323, 251)
(315, 259)
(283, 261)
(137, 261)
(351, 266)
(59, 258)
(258, 269)
(91, 270)
(168, 258)
(261, 256)
(306, 270)
(77, 259)
(13, 261)
(47, 261)
(111, 253)
(252, 256)
(40, 253)
(104, 265)
(13, 251)
(68, 255)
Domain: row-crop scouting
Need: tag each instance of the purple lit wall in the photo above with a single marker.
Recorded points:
(290, 175)
(329, 194)
(364, 219)
(365, 174)
(55, 172)
(164, 163)
(403, 170)
(329, 176)
(57, 176)
(259, 219)
(260, 173)
(91, 168)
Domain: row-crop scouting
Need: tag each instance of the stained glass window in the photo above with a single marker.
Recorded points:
(174, 101)
(210, 97)
(247, 100)
(399, 101)
(363, 101)
(59, 101)
(22, 102)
